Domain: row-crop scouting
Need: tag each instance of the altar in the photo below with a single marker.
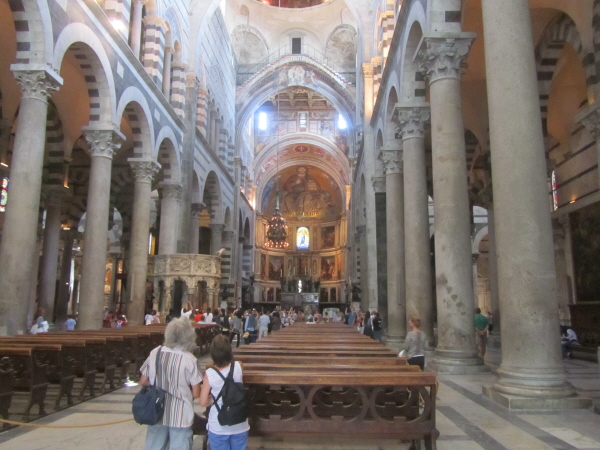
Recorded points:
(300, 300)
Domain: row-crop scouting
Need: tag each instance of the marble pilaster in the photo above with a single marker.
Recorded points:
(531, 354)
(17, 249)
(442, 63)
(169, 214)
(103, 144)
(396, 282)
(412, 119)
(144, 171)
(166, 79)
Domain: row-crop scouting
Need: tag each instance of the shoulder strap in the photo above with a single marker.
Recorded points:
(230, 375)
(157, 365)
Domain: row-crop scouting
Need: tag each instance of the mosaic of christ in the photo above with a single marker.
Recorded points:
(305, 193)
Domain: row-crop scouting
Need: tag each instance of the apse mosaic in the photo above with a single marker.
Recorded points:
(305, 192)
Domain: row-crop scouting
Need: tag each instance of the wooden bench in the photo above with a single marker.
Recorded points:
(328, 379)
(27, 374)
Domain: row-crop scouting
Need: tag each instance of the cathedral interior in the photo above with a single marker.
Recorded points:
(411, 157)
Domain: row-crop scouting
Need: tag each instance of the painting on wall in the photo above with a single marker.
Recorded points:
(585, 233)
(263, 266)
(275, 267)
(328, 237)
(328, 268)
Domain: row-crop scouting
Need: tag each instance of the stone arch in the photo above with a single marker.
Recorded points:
(478, 238)
(390, 126)
(141, 130)
(54, 146)
(168, 158)
(413, 84)
(558, 33)
(246, 233)
(132, 95)
(211, 197)
(33, 26)
(340, 47)
(249, 45)
(174, 27)
(195, 197)
(96, 69)
(227, 219)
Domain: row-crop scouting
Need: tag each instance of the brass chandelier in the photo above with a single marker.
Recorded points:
(276, 226)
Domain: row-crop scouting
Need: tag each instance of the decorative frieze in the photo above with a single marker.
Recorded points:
(444, 57)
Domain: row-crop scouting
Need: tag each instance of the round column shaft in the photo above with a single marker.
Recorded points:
(531, 354)
(216, 237)
(102, 143)
(194, 240)
(396, 286)
(169, 214)
(144, 171)
(455, 352)
(136, 27)
(419, 295)
(19, 233)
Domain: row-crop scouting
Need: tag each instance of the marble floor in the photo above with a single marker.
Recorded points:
(466, 421)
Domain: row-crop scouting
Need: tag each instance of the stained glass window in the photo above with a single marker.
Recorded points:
(554, 191)
(3, 194)
(302, 238)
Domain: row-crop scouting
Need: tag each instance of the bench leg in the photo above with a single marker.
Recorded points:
(66, 388)
(89, 379)
(109, 376)
(124, 372)
(38, 396)
(5, 401)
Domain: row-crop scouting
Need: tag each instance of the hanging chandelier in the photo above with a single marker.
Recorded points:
(276, 225)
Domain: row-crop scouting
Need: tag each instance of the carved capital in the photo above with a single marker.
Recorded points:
(411, 120)
(360, 231)
(54, 196)
(38, 84)
(172, 191)
(192, 82)
(378, 184)
(392, 161)
(444, 57)
(590, 118)
(143, 169)
(197, 209)
(367, 70)
(217, 228)
(103, 143)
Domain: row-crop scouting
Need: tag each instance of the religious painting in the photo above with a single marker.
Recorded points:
(328, 237)
(328, 268)
(275, 267)
(302, 238)
(263, 266)
(306, 192)
(302, 267)
(585, 232)
(338, 261)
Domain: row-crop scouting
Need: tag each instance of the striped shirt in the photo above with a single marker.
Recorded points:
(179, 370)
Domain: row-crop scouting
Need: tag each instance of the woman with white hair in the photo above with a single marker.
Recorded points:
(179, 375)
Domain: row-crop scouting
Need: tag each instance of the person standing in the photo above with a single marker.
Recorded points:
(179, 375)
(263, 325)
(377, 329)
(415, 343)
(70, 324)
(236, 326)
(481, 332)
(208, 318)
(222, 437)
(490, 322)
(368, 325)
(351, 317)
(276, 321)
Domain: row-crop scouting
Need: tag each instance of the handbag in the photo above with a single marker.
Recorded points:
(149, 404)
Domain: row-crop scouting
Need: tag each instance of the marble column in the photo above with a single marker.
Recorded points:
(166, 79)
(21, 216)
(55, 198)
(103, 144)
(412, 119)
(143, 171)
(5, 128)
(197, 209)
(135, 38)
(169, 214)
(361, 239)
(64, 287)
(216, 230)
(531, 354)
(493, 270)
(394, 214)
(441, 63)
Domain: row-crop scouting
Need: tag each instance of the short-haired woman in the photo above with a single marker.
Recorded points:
(222, 437)
(415, 343)
(179, 376)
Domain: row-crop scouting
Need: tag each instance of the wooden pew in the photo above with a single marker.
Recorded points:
(26, 374)
(6, 389)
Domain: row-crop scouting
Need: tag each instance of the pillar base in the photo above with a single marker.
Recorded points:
(533, 383)
(457, 362)
(394, 342)
(516, 402)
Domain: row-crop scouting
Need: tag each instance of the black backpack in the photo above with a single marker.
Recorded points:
(233, 410)
(149, 404)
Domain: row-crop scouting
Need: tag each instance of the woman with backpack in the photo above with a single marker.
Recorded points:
(224, 437)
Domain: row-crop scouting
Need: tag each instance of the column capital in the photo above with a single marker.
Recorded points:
(392, 161)
(170, 190)
(217, 227)
(103, 143)
(589, 117)
(411, 119)
(378, 183)
(197, 209)
(54, 195)
(192, 82)
(154, 20)
(143, 169)
(138, 2)
(178, 65)
(38, 84)
(367, 70)
(444, 55)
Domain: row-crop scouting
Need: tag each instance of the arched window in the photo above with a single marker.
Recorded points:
(3, 194)
(302, 238)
